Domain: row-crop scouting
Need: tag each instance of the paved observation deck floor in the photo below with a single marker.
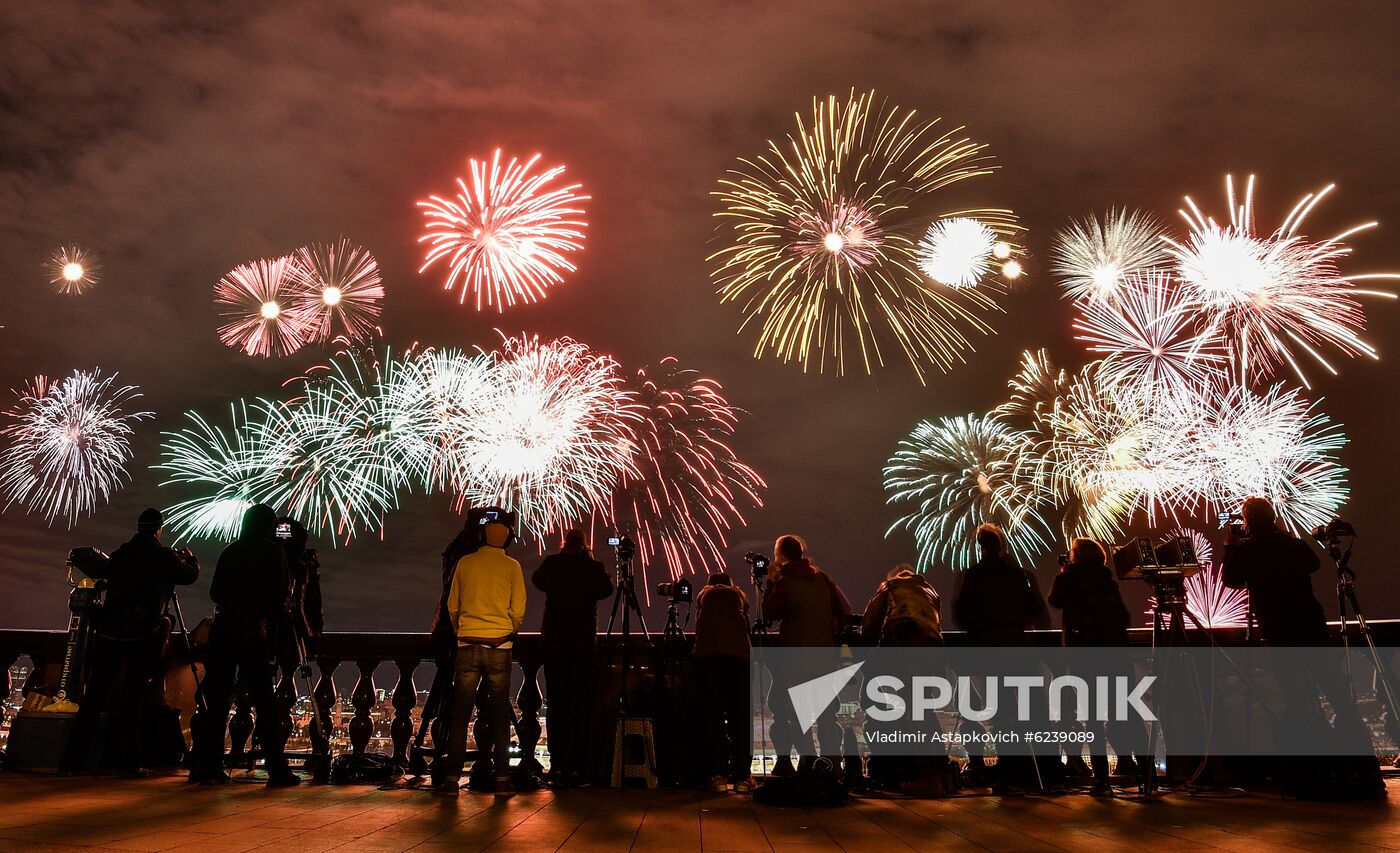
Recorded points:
(166, 814)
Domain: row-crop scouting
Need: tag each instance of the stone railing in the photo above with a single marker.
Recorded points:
(367, 652)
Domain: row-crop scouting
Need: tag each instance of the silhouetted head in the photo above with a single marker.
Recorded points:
(789, 549)
(901, 570)
(151, 521)
(991, 540)
(1259, 514)
(719, 579)
(574, 541)
(259, 522)
(1087, 552)
(297, 541)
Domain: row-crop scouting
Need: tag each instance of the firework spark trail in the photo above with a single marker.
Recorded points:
(335, 289)
(824, 228)
(256, 301)
(1093, 258)
(1273, 295)
(507, 235)
(959, 473)
(1148, 336)
(690, 488)
(555, 437)
(68, 444)
(73, 270)
(232, 467)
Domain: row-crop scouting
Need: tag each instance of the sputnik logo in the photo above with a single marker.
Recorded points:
(811, 698)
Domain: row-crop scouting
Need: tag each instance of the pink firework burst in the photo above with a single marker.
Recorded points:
(1273, 295)
(690, 488)
(1214, 604)
(257, 300)
(337, 288)
(507, 235)
(1149, 335)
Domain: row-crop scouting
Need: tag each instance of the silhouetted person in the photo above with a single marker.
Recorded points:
(307, 615)
(573, 583)
(1095, 615)
(141, 575)
(904, 613)
(486, 604)
(1277, 568)
(811, 610)
(251, 590)
(722, 667)
(996, 603)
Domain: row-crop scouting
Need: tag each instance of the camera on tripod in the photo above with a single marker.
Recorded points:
(1234, 523)
(626, 548)
(679, 591)
(1329, 533)
(759, 563)
(1164, 567)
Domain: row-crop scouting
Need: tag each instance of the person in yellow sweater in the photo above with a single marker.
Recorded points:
(486, 604)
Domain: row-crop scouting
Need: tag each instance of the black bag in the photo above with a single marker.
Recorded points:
(807, 789)
(372, 768)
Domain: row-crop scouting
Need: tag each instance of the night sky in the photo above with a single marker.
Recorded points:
(177, 143)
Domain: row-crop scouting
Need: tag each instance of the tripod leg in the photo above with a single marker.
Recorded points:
(189, 647)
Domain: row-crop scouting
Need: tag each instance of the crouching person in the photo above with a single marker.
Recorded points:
(486, 604)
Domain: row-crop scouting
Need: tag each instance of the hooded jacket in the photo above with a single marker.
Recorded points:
(721, 620)
(251, 581)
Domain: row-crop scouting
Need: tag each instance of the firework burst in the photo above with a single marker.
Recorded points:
(233, 469)
(554, 438)
(73, 270)
(1273, 295)
(959, 251)
(1214, 604)
(1093, 258)
(257, 302)
(689, 488)
(507, 235)
(1149, 335)
(824, 228)
(962, 472)
(68, 444)
(336, 289)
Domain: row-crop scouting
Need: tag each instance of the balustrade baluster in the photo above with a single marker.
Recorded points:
(405, 698)
(362, 697)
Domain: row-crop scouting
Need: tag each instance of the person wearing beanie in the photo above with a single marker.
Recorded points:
(141, 575)
(573, 583)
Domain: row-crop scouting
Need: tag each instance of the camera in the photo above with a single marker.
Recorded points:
(624, 545)
(1234, 522)
(1062, 560)
(284, 530)
(679, 591)
(759, 563)
(489, 516)
(1332, 531)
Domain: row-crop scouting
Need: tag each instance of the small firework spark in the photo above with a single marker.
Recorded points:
(256, 299)
(73, 270)
(823, 240)
(1093, 259)
(959, 251)
(507, 235)
(962, 472)
(1149, 336)
(336, 290)
(1273, 295)
(555, 437)
(690, 488)
(68, 444)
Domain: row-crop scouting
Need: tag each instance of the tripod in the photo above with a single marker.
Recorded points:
(1346, 598)
(626, 598)
(759, 636)
(173, 606)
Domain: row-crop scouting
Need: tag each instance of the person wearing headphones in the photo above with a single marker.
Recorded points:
(486, 605)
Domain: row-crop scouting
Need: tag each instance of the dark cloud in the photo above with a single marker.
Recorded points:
(178, 140)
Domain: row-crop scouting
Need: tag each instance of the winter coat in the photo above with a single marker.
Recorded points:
(1094, 612)
(140, 575)
(721, 622)
(808, 603)
(905, 599)
(252, 583)
(1277, 569)
(573, 583)
(997, 602)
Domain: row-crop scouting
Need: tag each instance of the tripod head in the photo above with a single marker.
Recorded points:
(1330, 536)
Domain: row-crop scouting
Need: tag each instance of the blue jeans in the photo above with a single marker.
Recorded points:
(480, 666)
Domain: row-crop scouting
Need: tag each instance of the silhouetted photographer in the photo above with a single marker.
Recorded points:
(722, 665)
(141, 576)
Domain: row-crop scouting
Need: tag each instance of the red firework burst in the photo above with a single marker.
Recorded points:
(507, 235)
